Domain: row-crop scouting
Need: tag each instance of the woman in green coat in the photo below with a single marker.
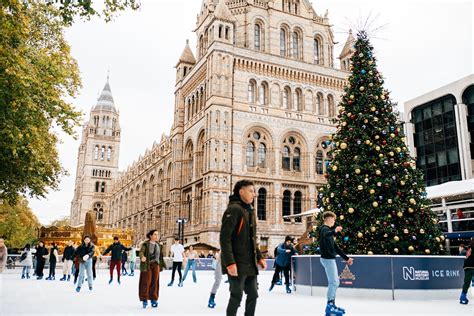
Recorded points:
(151, 258)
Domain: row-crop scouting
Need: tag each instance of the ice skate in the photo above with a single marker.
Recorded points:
(288, 289)
(154, 303)
(332, 310)
(463, 299)
(211, 303)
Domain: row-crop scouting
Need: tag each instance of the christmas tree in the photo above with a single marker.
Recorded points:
(373, 186)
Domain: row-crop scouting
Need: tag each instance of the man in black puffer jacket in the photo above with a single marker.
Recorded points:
(239, 250)
(116, 258)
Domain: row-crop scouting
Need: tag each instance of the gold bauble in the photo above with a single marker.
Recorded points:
(395, 250)
(382, 97)
(410, 210)
(392, 135)
(375, 204)
(344, 123)
(427, 251)
(372, 228)
(377, 148)
(351, 97)
(334, 168)
(379, 184)
(411, 249)
(391, 153)
(422, 231)
(360, 235)
(362, 88)
(412, 201)
(378, 172)
(341, 217)
(441, 237)
(366, 180)
(402, 183)
(357, 171)
(360, 187)
(400, 214)
(396, 238)
(370, 253)
(405, 231)
(367, 142)
(380, 155)
(366, 121)
(372, 191)
(350, 210)
(389, 201)
(377, 136)
(398, 149)
(437, 239)
(343, 145)
(372, 109)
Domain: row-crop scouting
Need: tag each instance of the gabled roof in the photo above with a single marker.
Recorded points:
(348, 46)
(223, 13)
(187, 55)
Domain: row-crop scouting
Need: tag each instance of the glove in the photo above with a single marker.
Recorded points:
(85, 257)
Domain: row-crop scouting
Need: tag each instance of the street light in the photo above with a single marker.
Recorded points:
(181, 221)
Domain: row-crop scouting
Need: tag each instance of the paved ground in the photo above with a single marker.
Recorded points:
(32, 297)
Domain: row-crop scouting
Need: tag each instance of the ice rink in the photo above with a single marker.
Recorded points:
(33, 297)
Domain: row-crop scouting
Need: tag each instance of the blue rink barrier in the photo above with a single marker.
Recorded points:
(205, 264)
(381, 272)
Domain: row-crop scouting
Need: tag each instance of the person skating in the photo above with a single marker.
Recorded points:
(41, 254)
(132, 258)
(124, 262)
(177, 252)
(329, 249)
(53, 259)
(27, 262)
(3, 255)
(84, 254)
(283, 262)
(216, 263)
(151, 261)
(239, 250)
(116, 257)
(468, 273)
(68, 255)
(94, 260)
(191, 257)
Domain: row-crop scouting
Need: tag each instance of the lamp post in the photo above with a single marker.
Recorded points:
(181, 221)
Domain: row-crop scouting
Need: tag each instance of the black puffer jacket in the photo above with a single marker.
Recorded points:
(83, 250)
(238, 238)
(116, 249)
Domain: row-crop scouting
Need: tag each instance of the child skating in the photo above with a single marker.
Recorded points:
(329, 249)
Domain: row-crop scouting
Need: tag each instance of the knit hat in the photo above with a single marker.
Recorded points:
(288, 238)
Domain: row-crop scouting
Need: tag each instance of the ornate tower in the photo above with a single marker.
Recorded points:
(347, 52)
(97, 161)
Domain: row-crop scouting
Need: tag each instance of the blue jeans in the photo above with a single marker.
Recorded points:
(83, 267)
(190, 264)
(333, 278)
(26, 270)
(132, 266)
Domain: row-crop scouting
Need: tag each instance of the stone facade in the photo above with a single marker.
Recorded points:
(256, 103)
(97, 161)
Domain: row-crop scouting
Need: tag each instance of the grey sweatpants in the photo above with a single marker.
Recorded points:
(217, 277)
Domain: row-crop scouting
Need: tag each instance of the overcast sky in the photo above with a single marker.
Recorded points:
(425, 45)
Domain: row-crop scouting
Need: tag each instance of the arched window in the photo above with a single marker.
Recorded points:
(320, 103)
(297, 100)
(227, 32)
(102, 187)
(296, 159)
(99, 211)
(109, 153)
(256, 141)
(296, 45)
(102, 153)
(286, 98)
(220, 30)
(319, 162)
(251, 92)
(262, 155)
(285, 159)
(96, 152)
(97, 184)
(250, 154)
(297, 206)
(283, 44)
(263, 94)
(291, 154)
(286, 205)
(189, 109)
(331, 106)
(258, 37)
(262, 204)
(316, 50)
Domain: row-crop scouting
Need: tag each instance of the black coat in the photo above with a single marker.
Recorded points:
(40, 252)
(83, 250)
(68, 253)
(238, 238)
(116, 249)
